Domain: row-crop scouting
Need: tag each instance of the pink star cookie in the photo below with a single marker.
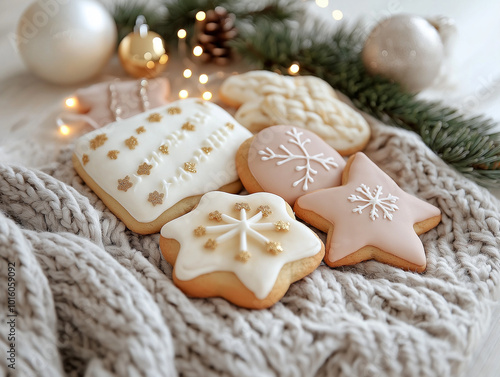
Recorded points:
(369, 217)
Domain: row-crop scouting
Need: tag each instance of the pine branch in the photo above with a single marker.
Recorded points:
(466, 143)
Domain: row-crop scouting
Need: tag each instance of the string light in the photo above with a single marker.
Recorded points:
(294, 69)
(70, 102)
(337, 15)
(322, 3)
(207, 96)
(197, 51)
(187, 73)
(181, 33)
(183, 94)
(203, 79)
(64, 130)
(200, 16)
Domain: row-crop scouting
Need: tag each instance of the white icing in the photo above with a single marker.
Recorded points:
(309, 171)
(374, 201)
(250, 234)
(167, 175)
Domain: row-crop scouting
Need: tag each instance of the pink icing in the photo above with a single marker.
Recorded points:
(276, 159)
(353, 230)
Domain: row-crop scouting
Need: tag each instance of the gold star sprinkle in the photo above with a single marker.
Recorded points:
(124, 184)
(190, 167)
(266, 210)
(211, 244)
(273, 247)
(140, 130)
(155, 198)
(144, 169)
(85, 159)
(240, 206)
(243, 256)
(230, 125)
(98, 141)
(113, 155)
(131, 142)
(174, 110)
(188, 126)
(282, 226)
(200, 231)
(207, 150)
(163, 149)
(215, 216)
(154, 117)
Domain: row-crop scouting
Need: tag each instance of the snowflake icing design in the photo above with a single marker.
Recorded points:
(326, 162)
(243, 228)
(375, 201)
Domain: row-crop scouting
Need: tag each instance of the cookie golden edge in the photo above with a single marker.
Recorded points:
(246, 176)
(178, 209)
(227, 285)
(367, 252)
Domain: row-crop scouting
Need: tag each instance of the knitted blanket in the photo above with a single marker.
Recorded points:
(92, 298)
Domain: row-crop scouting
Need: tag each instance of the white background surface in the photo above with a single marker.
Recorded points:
(28, 105)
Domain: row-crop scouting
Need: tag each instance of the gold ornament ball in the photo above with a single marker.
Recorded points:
(143, 55)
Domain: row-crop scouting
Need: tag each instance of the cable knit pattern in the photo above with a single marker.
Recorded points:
(95, 299)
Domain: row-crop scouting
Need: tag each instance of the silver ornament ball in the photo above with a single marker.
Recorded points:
(66, 41)
(406, 49)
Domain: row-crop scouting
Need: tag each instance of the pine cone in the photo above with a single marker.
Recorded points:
(213, 33)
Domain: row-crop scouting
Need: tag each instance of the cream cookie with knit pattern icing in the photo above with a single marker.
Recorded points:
(266, 99)
(246, 249)
(155, 166)
(288, 161)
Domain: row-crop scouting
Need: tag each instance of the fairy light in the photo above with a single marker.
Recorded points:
(181, 33)
(183, 94)
(206, 96)
(150, 64)
(64, 130)
(200, 16)
(187, 73)
(197, 51)
(322, 3)
(337, 15)
(294, 69)
(203, 79)
(70, 102)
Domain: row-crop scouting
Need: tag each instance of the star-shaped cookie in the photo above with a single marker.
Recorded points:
(369, 217)
(246, 249)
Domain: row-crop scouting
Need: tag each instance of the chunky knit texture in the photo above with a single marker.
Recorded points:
(95, 299)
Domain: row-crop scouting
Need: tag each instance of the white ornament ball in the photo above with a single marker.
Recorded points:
(66, 41)
(406, 49)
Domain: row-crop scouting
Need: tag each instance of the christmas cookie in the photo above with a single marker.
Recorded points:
(369, 217)
(266, 99)
(288, 161)
(154, 166)
(107, 102)
(246, 249)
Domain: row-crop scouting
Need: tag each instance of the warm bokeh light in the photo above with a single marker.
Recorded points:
(183, 94)
(181, 33)
(163, 59)
(203, 79)
(207, 96)
(337, 15)
(322, 3)
(187, 73)
(294, 69)
(150, 64)
(200, 16)
(70, 102)
(197, 51)
(64, 130)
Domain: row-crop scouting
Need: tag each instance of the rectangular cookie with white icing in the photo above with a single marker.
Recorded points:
(155, 166)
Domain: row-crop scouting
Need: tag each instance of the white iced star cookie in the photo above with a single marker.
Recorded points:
(155, 166)
(267, 99)
(246, 249)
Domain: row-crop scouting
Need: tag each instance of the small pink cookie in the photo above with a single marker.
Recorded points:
(369, 217)
(288, 161)
(108, 102)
